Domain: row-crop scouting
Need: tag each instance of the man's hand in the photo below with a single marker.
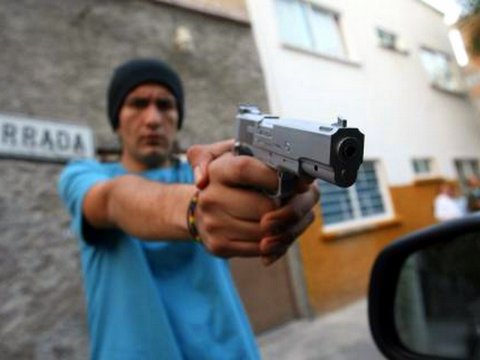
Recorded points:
(235, 217)
(199, 156)
(230, 210)
(285, 224)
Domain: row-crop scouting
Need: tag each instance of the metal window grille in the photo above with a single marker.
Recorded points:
(362, 200)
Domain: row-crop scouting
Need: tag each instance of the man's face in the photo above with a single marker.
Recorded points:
(148, 122)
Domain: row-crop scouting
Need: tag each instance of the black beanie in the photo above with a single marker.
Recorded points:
(135, 72)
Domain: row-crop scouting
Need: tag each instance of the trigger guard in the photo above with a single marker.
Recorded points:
(286, 186)
(286, 180)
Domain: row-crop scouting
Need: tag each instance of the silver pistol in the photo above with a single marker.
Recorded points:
(299, 148)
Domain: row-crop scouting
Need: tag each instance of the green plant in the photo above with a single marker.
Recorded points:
(471, 16)
(470, 7)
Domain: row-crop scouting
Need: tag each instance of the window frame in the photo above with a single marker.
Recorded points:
(461, 178)
(396, 45)
(434, 172)
(310, 7)
(368, 222)
(460, 89)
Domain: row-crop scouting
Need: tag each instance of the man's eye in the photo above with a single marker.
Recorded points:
(164, 104)
(139, 103)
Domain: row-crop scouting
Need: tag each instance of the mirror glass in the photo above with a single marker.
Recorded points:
(437, 303)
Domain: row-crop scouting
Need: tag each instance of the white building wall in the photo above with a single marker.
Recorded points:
(386, 94)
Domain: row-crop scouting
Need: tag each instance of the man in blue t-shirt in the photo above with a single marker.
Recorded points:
(153, 244)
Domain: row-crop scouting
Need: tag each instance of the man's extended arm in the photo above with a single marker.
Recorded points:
(233, 217)
(143, 208)
(147, 209)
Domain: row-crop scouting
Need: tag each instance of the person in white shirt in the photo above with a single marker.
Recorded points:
(446, 205)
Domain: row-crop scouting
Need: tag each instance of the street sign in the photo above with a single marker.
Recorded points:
(30, 138)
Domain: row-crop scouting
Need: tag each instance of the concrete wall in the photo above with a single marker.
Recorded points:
(55, 63)
(58, 57)
(41, 299)
(233, 9)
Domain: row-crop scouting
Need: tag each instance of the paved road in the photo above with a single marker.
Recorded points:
(340, 335)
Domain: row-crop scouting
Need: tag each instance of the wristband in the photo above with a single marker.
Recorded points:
(192, 226)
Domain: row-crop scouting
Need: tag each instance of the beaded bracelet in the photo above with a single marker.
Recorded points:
(192, 227)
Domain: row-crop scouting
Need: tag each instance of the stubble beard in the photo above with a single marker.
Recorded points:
(148, 159)
(156, 159)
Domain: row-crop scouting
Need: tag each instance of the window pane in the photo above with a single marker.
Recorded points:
(387, 40)
(422, 166)
(335, 203)
(326, 33)
(467, 168)
(368, 191)
(439, 69)
(293, 23)
(361, 200)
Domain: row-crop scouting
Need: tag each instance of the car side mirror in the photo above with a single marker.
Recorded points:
(424, 295)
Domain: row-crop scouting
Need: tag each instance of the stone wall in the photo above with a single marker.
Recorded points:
(57, 58)
(55, 63)
(41, 300)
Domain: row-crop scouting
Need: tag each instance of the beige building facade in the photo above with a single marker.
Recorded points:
(388, 68)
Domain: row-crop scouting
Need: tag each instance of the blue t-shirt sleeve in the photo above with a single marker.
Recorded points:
(76, 179)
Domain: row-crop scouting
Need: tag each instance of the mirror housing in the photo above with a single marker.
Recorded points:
(385, 278)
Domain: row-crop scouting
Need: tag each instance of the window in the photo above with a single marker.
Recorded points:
(441, 70)
(389, 40)
(365, 199)
(424, 167)
(308, 26)
(466, 168)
